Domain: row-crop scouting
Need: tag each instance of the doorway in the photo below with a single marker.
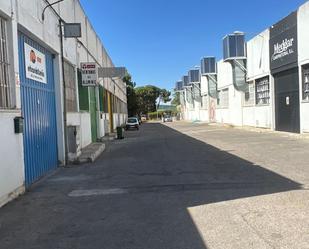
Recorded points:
(287, 101)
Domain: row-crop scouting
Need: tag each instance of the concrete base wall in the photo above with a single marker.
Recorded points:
(102, 125)
(204, 115)
(12, 161)
(257, 116)
(85, 129)
(304, 113)
(223, 116)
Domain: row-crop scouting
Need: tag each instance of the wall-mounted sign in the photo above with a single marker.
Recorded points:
(72, 30)
(112, 72)
(35, 64)
(89, 73)
(283, 43)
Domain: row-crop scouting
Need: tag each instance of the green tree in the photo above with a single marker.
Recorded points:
(147, 97)
(131, 95)
(176, 98)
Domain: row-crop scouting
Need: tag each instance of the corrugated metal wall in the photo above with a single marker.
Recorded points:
(39, 112)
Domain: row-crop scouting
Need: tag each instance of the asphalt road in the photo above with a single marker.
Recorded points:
(174, 186)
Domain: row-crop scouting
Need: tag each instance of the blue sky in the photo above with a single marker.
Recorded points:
(160, 40)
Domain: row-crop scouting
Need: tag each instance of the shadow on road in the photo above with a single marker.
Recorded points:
(161, 173)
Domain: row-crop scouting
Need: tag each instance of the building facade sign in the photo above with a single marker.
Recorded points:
(35, 64)
(89, 73)
(283, 43)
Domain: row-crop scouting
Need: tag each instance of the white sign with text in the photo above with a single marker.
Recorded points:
(89, 73)
(35, 64)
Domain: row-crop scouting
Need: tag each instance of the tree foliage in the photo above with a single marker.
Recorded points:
(147, 97)
(142, 100)
(176, 98)
(131, 95)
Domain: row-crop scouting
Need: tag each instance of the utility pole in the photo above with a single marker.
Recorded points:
(158, 105)
(60, 23)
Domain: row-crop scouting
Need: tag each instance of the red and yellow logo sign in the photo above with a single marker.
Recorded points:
(34, 58)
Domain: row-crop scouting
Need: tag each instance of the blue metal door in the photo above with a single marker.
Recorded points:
(38, 110)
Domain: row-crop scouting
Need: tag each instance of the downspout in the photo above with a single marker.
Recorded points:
(64, 96)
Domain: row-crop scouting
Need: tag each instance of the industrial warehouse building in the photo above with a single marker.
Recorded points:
(33, 110)
(263, 82)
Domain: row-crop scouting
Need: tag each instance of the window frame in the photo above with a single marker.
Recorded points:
(262, 91)
(305, 83)
(225, 104)
(204, 102)
(70, 87)
(6, 86)
(251, 91)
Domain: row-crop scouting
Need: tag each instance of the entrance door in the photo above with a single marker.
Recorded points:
(93, 114)
(38, 109)
(287, 101)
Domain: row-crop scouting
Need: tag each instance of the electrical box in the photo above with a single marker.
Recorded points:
(19, 125)
(208, 65)
(234, 46)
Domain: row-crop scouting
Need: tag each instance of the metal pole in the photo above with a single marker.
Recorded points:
(64, 95)
(60, 21)
(158, 107)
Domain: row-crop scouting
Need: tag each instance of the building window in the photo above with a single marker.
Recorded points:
(5, 93)
(305, 71)
(204, 102)
(70, 87)
(249, 94)
(223, 98)
(262, 91)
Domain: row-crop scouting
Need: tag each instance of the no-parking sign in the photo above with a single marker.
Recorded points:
(89, 73)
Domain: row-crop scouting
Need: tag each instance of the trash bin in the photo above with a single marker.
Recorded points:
(119, 132)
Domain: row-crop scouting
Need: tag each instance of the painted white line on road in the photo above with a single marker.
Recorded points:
(94, 192)
(201, 131)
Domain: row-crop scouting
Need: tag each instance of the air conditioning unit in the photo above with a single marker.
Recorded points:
(194, 76)
(208, 65)
(185, 80)
(234, 46)
(179, 85)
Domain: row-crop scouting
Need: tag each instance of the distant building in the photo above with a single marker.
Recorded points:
(262, 83)
(172, 108)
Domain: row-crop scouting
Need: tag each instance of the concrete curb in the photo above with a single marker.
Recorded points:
(91, 153)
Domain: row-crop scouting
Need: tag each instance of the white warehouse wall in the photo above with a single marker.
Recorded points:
(258, 56)
(258, 67)
(85, 129)
(11, 145)
(233, 114)
(303, 58)
(204, 85)
(11, 154)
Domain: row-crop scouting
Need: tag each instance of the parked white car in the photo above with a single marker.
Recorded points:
(132, 123)
(167, 118)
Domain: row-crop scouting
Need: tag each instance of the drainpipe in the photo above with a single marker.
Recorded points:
(64, 96)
